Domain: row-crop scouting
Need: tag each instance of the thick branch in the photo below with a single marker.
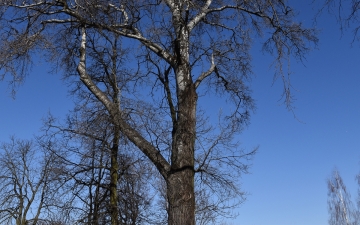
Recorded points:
(201, 15)
(135, 137)
(207, 73)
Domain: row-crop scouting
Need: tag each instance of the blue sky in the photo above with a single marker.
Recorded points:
(287, 184)
(288, 180)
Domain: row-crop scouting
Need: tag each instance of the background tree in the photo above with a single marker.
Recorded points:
(28, 188)
(96, 131)
(341, 208)
(83, 152)
(186, 50)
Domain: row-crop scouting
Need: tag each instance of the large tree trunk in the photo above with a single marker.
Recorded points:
(180, 183)
(181, 199)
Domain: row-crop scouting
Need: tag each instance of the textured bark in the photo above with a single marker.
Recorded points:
(180, 183)
(181, 199)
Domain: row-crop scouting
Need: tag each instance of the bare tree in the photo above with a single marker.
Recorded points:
(27, 187)
(340, 206)
(91, 124)
(84, 152)
(185, 49)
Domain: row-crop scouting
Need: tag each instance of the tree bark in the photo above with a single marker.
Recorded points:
(180, 182)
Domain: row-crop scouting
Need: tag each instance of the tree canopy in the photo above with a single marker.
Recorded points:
(148, 63)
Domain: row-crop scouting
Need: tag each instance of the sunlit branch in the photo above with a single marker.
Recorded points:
(207, 73)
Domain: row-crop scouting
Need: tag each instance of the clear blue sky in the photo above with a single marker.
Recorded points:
(288, 180)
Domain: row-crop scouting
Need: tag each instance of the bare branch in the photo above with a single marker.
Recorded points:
(207, 73)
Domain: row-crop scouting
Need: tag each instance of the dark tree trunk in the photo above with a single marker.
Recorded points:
(114, 168)
(180, 182)
(181, 199)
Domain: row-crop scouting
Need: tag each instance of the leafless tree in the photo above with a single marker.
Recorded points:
(28, 189)
(184, 50)
(84, 150)
(340, 205)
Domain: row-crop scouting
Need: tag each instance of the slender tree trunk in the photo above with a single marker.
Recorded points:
(114, 168)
